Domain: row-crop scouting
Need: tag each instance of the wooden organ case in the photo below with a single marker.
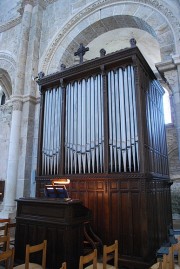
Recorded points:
(102, 127)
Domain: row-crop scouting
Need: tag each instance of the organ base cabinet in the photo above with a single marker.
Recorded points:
(58, 221)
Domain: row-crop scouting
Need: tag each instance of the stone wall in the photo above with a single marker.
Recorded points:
(174, 168)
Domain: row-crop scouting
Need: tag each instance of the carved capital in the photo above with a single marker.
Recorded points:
(32, 3)
(172, 78)
(176, 59)
(17, 103)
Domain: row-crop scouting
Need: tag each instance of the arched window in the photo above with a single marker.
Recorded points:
(2, 96)
(167, 107)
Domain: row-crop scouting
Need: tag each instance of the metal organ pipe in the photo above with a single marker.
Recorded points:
(51, 131)
(123, 139)
(84, 131)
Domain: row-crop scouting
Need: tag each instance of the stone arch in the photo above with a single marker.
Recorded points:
(5, 83)
(7, 73)
(150, 14)
(174, 164)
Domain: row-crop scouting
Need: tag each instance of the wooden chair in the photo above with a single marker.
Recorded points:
(11, 227)
(4, 242)
(109, 253)
(32, 249)
(8, 257)
(5, 221)
(168, 261)
(157, 265)
(176, 253)
(3, 229)
(64, 266)
(89, 259)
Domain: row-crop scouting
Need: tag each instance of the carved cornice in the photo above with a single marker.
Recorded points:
(32, 99)
(10, 24)
(33, 3)
(99, 5)
(169, 65)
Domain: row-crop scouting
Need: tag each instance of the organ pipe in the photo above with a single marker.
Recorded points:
(123, 138)
(84, 135)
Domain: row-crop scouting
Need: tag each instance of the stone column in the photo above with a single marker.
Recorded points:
(12, 169)
(29, 136)
(9, 204)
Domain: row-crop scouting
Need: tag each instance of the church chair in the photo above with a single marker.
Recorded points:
(63, 266)
(169, 261)
(4, 242)
(90, 258)
(32, 249)
(91, 240)
(3, 229)
(176, 255)
(11, 227)
(7, 257)
(4, 220)
(108, 251)
(157, 265)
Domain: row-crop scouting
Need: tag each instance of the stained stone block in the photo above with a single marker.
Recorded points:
(81, 39)
(119, 9)
(144, 12)
(81, 26)
(165, 38)
(153, 20)
(106, 12)
(78, 4)
(130, 9)
(166, 52)
(162, 28)
(110, 23)
(94, 17)
(99, 27)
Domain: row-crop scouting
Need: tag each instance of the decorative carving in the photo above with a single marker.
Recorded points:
(133, 42)
(63, 67)
(17, 105)
(172, 78)
(102, 52)
(12, 23)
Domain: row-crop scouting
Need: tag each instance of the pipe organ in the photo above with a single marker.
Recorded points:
(102, 126)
